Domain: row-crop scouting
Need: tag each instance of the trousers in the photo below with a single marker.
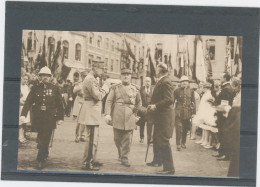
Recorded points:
(91, 146)
(43, 138)
(162, 149)
(182, 127)
(122, 140)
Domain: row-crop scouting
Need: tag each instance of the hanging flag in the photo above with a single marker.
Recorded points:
(150, 69)
(54, 63)
(43, 61)
(170, 63)
(200, 63)
(129, 50)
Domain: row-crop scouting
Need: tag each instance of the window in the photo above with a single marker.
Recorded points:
(135, 50)
(51, 47)
(210, 46)
(99, 41)
(117, 45)
(106, 62)
(143, 52)
(65, 44)
(90, 58)
(78, 52)
(91, 38)
(112, 45)
(112, 65)
(99, 59)
(107, 43)
(117, 66)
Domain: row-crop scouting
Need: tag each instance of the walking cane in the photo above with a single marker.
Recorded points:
(51, 142)
(148, 145)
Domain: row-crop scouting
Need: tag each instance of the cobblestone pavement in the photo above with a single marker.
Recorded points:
(66, 155)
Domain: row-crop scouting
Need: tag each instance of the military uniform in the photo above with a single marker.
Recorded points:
(47, 109)
(90, 115)
(122, 104)
(184, 109)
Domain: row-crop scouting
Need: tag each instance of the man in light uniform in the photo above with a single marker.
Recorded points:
(90, 115)
(122, 104)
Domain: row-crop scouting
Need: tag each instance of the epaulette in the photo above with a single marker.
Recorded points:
(137, 87)
(115, 85)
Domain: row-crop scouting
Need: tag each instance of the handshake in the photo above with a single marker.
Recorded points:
(151, 108)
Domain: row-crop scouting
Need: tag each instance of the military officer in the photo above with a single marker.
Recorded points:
(122, 104)
(90, 115)
(48, 109)
(184, 109)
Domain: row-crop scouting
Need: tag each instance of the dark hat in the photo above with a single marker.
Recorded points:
(126, 71)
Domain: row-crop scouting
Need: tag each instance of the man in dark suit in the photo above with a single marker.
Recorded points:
(225, 97)
(146, 93)
(162, 109)
(48, 109)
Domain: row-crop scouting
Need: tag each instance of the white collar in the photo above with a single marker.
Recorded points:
(225, 83)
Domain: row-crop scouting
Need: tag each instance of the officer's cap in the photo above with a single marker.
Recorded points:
(97, 64)
(162, 66)
(125, 71)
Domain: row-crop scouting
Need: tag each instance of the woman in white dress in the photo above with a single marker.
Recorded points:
(23, 95)
(205, 117)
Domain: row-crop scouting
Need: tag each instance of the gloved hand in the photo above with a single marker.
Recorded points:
(108, 119)
(60, 122)
(22, 119)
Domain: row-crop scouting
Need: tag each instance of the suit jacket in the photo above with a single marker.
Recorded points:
(227, 93)
(47, 102)
(163, 99)
(146, 97)
(123, 113)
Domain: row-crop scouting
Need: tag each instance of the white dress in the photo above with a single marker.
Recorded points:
(25, 90)
(205, 117)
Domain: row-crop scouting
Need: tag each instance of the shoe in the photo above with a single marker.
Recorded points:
(90, 167)
(97, 164)
(203, 143)
(192, 138)
(178, 147)
(223, 158)
(154, 164)
(217, 146)
(218, 155)
(166, 172)
(77, 140)
(41, 165)
(183, 146)
(207, 146)
(125, 163)
(82, 139)
(199, 142)
(141, 140)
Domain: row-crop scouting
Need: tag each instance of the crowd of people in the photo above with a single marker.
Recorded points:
(209, 112)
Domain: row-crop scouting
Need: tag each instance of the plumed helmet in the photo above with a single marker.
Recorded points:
(45, 70)
(184, 78)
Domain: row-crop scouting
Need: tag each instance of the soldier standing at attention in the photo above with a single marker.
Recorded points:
(184, 109)
(48, 109)
(122, 104)
(90, 115)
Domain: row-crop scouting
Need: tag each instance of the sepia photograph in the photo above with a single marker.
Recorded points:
(130, 103)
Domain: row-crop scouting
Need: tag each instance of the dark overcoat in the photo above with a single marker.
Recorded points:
(163, 99)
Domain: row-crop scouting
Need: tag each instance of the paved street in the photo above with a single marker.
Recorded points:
(66, 155)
